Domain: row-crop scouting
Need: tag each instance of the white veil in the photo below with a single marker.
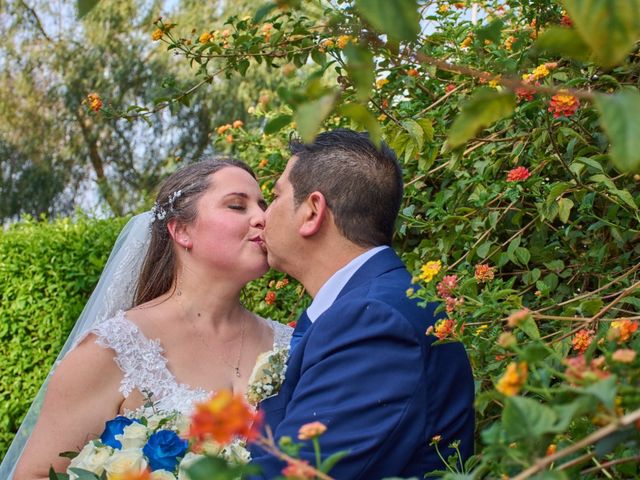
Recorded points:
(115, 291)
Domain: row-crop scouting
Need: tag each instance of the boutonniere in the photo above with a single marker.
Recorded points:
(268, 375)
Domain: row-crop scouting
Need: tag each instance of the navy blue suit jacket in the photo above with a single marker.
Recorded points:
(366, 369)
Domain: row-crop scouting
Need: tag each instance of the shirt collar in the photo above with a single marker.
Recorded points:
(332, 287)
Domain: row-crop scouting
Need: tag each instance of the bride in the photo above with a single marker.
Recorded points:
(187, 334)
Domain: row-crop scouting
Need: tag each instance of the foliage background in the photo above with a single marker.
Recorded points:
(464, 104)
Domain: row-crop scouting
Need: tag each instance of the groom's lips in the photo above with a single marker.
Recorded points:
(258, 240)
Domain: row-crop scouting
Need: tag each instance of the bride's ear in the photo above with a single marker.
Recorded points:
(314, 212)
(179, 233)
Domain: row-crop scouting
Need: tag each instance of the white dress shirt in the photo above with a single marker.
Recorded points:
(332, 287)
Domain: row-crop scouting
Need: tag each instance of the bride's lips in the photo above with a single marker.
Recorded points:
(260, 242)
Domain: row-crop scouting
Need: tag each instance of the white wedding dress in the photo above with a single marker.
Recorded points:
(144, 366)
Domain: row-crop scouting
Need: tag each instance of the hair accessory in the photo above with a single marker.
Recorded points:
(160, 210)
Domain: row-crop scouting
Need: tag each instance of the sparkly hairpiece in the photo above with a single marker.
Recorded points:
(160, 210)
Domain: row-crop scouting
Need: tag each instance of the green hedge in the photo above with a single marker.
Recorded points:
(47, 272)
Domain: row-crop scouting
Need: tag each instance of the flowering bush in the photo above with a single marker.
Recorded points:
(519, 142)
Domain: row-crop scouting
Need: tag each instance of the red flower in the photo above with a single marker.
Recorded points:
(518, 174)
(525, 94)
(563, 104)
(222, 418)
(270, 298)
(292, 323)
(582, 340)
(450, 87)
(566, 21)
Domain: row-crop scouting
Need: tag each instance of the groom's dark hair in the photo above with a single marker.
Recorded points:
(361, 183)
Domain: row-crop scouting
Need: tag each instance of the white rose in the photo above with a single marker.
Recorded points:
(182, 423)
(133, 436)
(153, 421)
(262, 364)
(130, 460)
(189, 459)
(162, 475)
(90, 458)
(236, 453)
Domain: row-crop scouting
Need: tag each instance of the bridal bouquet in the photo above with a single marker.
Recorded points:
(268, 375)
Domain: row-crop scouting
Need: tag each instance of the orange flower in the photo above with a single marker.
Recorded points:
(508, 43)
(466, 43)
(238, 124)
(229, 138)
(223, 128)
(412, 72)
(484, 273)
(518, 174)
(563, 104)
(157, 34)
(311, 430)
(452, 303)
(525, 94)
(298, 470)
(95, 102)
(566, 20)
(444, 328)
(551, 449)
(270, 298)
(205, 37)
(513, 379)
(621, 330)
(131, 475)
(624, 355)
(343, 40)
(263, 163)
(450, 87)
(507, 340)
(223, 417)
(582, 340)
(282, 283)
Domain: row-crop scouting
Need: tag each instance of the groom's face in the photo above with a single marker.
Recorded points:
(281, 230)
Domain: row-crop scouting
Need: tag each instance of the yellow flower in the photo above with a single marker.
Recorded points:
(466, 43)
(508, 43)
(381, 82)
(513, 379)
(157, 34)
(382, 117)
(540, 72)
(430, 270)
(443, 8)
(481, 329)
(343, 40)
(495, 82)
(205, 37)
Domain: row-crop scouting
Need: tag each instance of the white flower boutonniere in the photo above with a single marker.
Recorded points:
(268, 375)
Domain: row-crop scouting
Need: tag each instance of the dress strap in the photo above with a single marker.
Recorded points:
(140, 359)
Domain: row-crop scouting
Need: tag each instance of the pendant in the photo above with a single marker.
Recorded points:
(237, 372)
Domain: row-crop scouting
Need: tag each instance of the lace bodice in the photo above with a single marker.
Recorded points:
(145, 368)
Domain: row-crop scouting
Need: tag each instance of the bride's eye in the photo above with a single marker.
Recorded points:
(237, 207)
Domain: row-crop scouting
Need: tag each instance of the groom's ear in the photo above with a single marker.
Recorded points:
(180, 233)
(314, 212)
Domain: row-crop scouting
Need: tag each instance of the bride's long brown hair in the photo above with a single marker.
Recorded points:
(159, 269)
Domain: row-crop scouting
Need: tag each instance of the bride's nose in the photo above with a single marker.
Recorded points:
(258, 219)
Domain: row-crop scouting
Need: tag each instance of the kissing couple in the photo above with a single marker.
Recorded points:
(166, 319)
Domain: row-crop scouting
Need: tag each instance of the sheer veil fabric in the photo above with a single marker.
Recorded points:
(115, 291)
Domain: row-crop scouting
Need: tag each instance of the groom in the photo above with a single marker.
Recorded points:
(360, 363)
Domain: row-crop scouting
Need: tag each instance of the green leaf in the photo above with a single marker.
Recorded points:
(609, 27)
(562, 41)
(83, 474)
(85, 6)
(328, 463)
(485, 107)
(604, 390)
(551, 475)
(523, 255)
(529, 327)
(491, 32)
(427, 128)
(361, 69)
(309, 116)
(564, 209)
(53, 475)
(276, 124)
(619, 119)
(399, 19)
(263, 11)
(483, 250)
(415, 132)
(362, 116)
(524, 418)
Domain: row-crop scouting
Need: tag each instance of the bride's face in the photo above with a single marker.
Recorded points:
(226, 234)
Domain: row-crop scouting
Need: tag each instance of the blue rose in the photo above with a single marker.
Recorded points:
(163, 449)
(115, 427)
